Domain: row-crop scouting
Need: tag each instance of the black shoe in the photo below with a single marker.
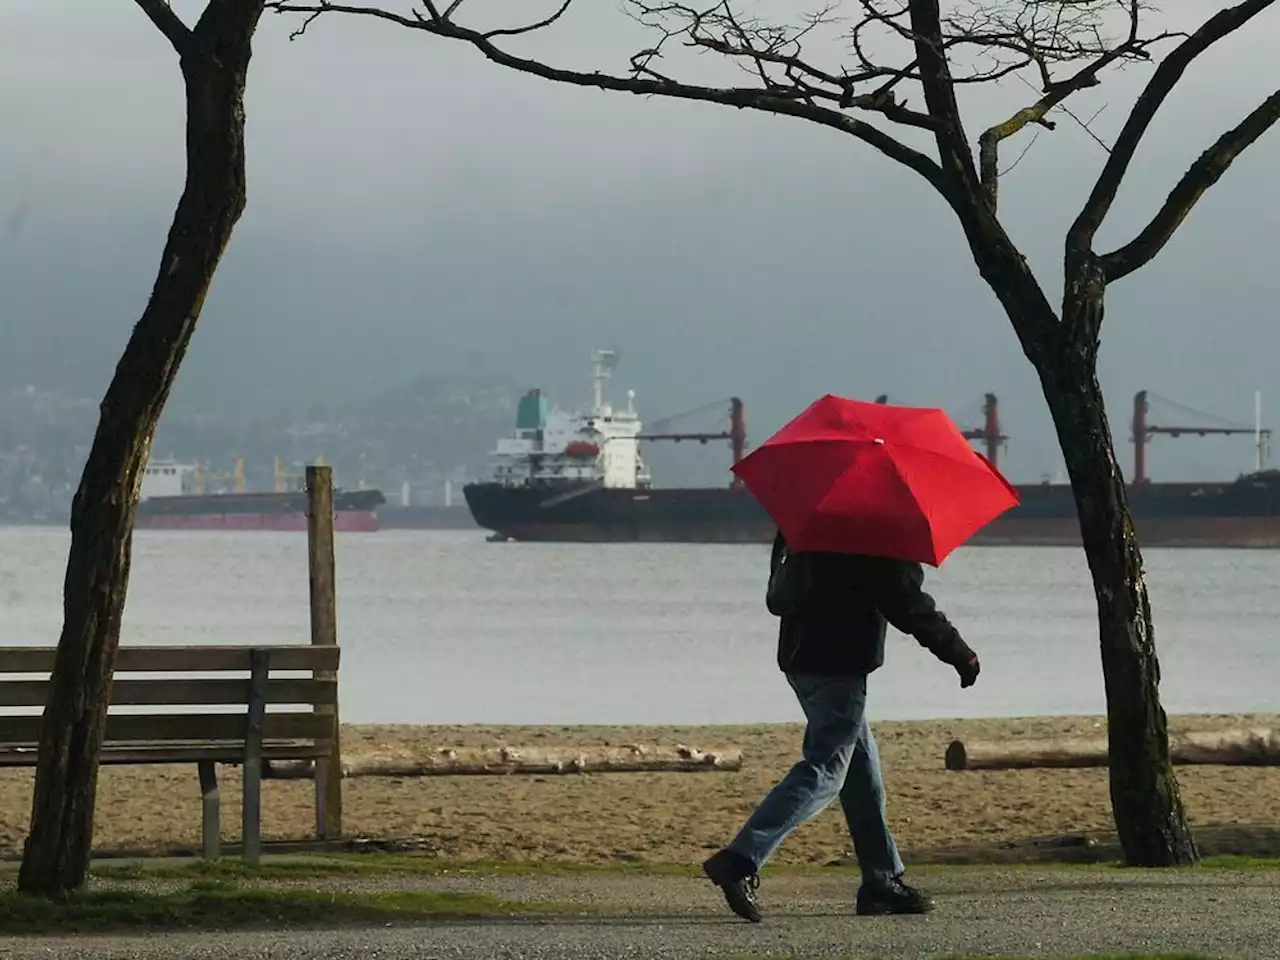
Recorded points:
(878, 899)
(738, 881)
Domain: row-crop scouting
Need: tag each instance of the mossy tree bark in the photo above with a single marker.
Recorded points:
(1145, 801)
(214, 57)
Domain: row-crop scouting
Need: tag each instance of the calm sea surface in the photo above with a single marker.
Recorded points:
(447, 628)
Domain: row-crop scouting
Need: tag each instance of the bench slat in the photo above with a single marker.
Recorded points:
(178, 659)
(185, 692)
(191, 726)
(177, 753)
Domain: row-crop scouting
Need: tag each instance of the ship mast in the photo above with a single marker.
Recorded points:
(1259, 441)
(603, 364)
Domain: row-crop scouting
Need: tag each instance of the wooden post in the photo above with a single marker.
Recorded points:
(324, 632)
(251, 831)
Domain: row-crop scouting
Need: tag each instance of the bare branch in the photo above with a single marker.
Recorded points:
(1204, 173)
(1085, 125)
(528, 28)
(301, 29)
(774, 56)
(940, 94)
(785, 103)
(168, 23)
(1021, 154)
(1082, 231)
(1055, 92)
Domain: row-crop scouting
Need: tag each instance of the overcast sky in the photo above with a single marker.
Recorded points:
(414, 209)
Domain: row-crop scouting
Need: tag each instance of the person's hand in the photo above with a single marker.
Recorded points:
(955, 652)
(968, 669)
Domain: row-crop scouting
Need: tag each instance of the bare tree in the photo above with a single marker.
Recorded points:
(893, 55)
(214, 58)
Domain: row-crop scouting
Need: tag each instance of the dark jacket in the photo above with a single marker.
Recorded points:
(850, 602)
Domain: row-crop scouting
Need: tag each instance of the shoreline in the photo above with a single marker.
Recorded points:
(670, 817)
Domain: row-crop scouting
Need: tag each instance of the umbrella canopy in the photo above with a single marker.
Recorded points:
(892, 481)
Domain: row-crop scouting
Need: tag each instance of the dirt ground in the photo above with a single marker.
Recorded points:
(658, 817)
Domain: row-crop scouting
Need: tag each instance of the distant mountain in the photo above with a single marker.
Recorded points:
(433, 431)
(426, 432)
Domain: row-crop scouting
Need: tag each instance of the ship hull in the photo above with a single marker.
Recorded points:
(344, 521)
(1203, 532)
(595, 515)
(1173, 515)
(354, 512)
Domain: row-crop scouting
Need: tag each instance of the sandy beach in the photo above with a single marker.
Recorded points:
(659, 817)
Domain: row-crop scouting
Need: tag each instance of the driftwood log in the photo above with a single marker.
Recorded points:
(497, 761)
(1248, 748)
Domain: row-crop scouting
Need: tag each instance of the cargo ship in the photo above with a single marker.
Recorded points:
(171, 499)
(579, 476)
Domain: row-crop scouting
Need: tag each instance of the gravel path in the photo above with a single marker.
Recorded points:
(990, 912)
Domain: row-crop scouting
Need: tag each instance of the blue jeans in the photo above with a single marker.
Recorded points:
(840, 759)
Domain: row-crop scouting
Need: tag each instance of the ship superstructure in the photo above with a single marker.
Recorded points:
(563, 449)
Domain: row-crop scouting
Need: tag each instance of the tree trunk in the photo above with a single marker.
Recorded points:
(1149, 815)
(1150, 819)
(214, 59)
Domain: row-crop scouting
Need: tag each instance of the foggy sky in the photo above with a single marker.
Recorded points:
(413, 209)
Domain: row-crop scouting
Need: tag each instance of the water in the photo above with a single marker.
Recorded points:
(442, 627)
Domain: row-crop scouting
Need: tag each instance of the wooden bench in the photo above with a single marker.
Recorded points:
(248, 737)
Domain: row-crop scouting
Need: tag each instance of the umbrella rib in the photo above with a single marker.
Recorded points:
(981, 467)
(816, 515)
(922, 515)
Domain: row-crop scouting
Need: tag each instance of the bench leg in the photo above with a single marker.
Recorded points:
(321, 779)
(252, 827)
(251, 832)
(211, 810)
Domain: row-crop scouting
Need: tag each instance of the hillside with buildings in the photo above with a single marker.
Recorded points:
(424, 433)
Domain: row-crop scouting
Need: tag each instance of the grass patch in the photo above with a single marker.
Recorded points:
(212, 904)
(1234, 862)
(1107, 956)
(320, 866)
(1115, 956)
(1086, 956)
(1221, 862)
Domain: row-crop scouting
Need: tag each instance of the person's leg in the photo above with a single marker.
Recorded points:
(863, 801)
(833, 707)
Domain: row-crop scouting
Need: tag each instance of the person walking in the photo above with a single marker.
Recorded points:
(834, 610)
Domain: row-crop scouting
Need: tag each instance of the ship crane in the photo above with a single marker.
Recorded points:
(736, 434)
(989, 432)
(1144, 431)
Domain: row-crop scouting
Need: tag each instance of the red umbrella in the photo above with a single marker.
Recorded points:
(871, 478)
